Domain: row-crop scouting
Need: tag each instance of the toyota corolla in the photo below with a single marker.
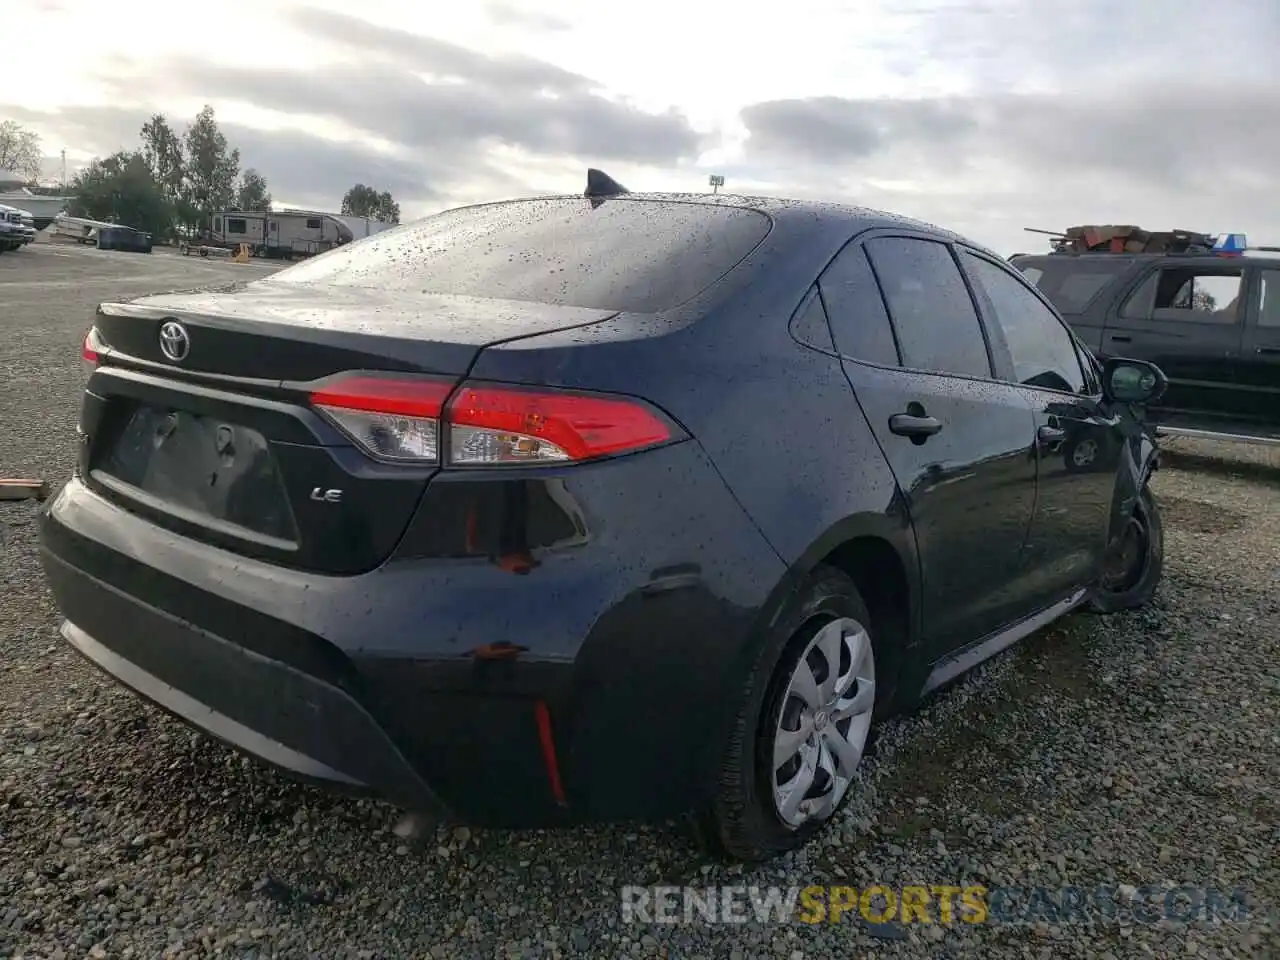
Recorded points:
(594, 508)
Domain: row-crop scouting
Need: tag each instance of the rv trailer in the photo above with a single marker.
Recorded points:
(362, 227)
(282, 234)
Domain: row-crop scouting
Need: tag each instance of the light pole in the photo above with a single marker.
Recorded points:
(716, 181)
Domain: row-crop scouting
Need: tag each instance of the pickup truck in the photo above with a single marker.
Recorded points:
(22, 220)
(11, 234)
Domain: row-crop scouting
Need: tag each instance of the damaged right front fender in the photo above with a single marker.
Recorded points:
(1139, 458)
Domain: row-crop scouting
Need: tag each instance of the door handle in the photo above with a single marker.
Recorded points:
(1120, 338)
(1051, 434)
(908, 425)
(1269, 350)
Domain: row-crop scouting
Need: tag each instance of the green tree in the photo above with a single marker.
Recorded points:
(1203, 301)
(19, 149)
(363, 201)
(162, 150)
(211, 167)
(121, 189)
(252, 193)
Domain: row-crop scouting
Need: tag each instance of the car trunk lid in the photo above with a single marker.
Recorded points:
(216, 439)
(292, 333)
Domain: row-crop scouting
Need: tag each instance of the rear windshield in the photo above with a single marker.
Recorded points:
(1069, 283)
(640, 256)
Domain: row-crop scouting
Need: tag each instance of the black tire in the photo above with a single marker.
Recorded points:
(1136, 586)
(741, 822)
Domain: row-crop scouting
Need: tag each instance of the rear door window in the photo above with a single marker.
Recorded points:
(937, 325)
(859, 320)
(640, 256)
(809, 325)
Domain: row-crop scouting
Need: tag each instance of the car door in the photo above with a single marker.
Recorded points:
(958, 443)
(1187, 317)
(1259, 367)
(1078, 443)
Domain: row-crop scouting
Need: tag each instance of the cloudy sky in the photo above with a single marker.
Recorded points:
(982, 115)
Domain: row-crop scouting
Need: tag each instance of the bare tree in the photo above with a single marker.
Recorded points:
(19, 149)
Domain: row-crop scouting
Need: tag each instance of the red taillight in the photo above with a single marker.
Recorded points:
(391, 418)
(89, 349)
(498, 424)
(407, 398)
(406, 419)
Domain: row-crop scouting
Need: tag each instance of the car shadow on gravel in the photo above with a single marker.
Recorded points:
(252, 802)
(1233, 468)
(975, 761)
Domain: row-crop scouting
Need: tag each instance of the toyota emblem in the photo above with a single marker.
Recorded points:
(175, 342)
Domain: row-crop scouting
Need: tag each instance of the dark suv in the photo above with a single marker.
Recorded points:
(1211, 323)
(595, 507)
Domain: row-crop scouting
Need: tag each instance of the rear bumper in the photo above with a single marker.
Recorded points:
(200, 714)
(269, 709)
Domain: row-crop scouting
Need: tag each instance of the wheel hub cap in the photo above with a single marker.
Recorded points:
(823, 723)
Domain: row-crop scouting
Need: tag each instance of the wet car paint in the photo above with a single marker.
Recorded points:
(619, 605)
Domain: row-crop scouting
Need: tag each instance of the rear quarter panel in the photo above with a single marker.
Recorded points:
(777, 419)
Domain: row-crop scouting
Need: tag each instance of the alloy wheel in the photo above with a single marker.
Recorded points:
(823, 723)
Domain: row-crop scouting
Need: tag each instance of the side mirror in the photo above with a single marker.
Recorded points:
(1132, 381)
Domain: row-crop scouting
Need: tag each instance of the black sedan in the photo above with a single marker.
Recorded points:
(604, 507)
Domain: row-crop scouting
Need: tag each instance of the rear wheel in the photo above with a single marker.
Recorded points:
(1135, 562)
(803, 727)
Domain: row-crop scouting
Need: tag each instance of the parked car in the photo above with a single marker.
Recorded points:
(1211, 322)
(14, 232)
(593, 508)
(124, 238)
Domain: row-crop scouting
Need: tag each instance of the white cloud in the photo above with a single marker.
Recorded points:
(982, 115)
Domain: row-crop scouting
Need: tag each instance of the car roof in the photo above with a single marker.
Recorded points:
(818, 221)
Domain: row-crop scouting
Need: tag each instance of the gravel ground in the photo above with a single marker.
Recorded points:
(1136, 750)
